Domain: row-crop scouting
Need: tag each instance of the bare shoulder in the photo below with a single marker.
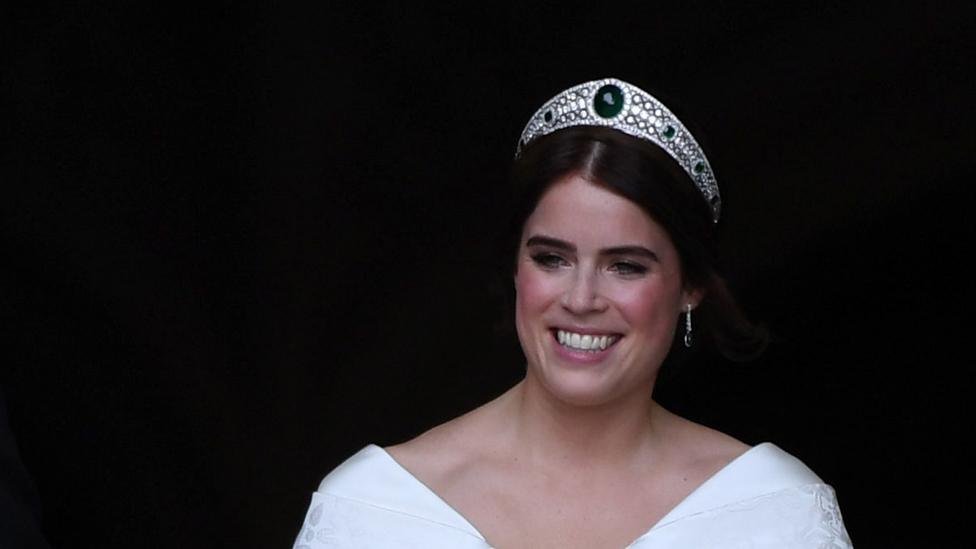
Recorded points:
(702, 447)
(431, 451)
(449, 448)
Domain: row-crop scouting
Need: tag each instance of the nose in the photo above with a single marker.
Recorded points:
(582, 296)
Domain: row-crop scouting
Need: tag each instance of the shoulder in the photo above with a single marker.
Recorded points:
(772, 468)
(701, 448)
(781, 497)
(729, 469)
(802, 516)
(760, 471)
(436, 452)
(369, 462)
(434, 447)
(447, 450)
(370, 501)
(763, 474)
(766, 466)
(764, 492)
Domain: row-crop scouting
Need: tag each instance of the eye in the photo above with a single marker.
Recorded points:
(628, 268)
(548, 260)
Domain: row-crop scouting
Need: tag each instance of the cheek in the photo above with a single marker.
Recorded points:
(533, 296)
(532, 291)
(650, 307)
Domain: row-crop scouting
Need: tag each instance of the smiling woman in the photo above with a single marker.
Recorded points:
(612, 244)
(596, 269)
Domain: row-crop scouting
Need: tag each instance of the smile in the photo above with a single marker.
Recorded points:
(585, 342)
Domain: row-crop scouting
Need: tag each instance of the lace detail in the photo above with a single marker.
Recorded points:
(828, 532)
(328, 524)
(804, 517)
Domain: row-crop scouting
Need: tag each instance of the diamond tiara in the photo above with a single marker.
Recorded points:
(624, 107)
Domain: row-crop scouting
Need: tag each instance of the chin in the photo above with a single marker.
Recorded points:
(583, 389)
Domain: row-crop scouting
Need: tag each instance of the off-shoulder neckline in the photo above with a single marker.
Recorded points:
(687, 505)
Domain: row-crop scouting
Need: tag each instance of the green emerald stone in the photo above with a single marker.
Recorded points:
(548, 116)
(669, 132)
(609, 101)
(699, 167)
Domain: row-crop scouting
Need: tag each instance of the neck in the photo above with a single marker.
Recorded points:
(548, 430)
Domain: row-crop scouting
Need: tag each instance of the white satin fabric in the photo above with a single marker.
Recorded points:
(765, 498)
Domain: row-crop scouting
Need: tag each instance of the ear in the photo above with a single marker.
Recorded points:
(691, 296)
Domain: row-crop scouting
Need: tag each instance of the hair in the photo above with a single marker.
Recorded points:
(647, 176)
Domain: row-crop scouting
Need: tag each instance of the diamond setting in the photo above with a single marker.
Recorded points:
(624, 107)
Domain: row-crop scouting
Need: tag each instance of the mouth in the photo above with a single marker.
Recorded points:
(592, 343)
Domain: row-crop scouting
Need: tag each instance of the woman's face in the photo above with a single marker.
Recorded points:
(599, 293)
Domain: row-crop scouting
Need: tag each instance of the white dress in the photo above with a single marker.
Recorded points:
(765, 498)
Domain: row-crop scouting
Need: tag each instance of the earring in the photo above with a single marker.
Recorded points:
(688, 325)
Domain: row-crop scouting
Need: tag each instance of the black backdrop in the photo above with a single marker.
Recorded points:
(240, 243)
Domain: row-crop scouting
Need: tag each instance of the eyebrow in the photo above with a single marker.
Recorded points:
(548, 241)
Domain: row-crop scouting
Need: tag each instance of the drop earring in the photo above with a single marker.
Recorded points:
(688, 338)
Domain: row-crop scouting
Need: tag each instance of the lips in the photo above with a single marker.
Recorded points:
(585, 342)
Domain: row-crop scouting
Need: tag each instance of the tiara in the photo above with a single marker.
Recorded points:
(624, 107)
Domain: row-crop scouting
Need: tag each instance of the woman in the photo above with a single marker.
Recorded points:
(612, 269)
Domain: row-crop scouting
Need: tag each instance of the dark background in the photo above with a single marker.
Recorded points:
(240, 243)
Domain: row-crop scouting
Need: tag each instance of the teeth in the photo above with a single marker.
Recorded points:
(585, 342)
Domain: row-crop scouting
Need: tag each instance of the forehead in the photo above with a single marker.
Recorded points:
(583, 212)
